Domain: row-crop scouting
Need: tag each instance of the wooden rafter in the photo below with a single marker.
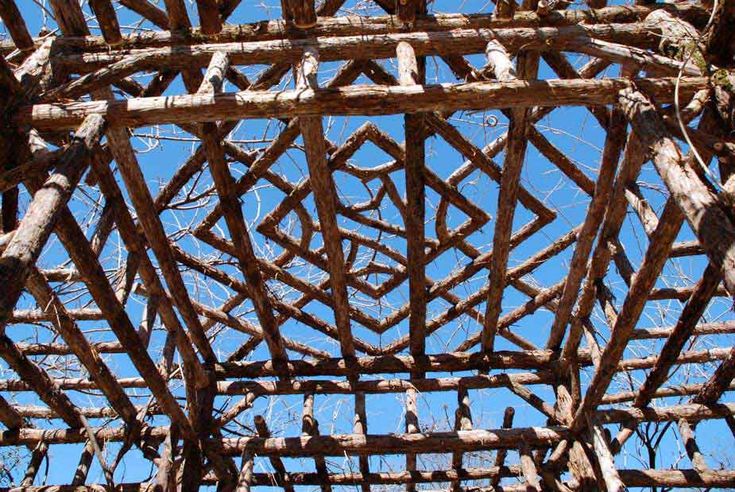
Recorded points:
(364, 280)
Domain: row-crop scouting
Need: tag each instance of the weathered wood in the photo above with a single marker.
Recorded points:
(36, 227)
(107, 18)
(595, 213)
(684, 328)
(16, 25)
(360, 427)
(69, 17)
(462, 421)
(209, 16)
(140, 195)
(501, 454)
(412, 427)
(85, 462)
(322, 242)
(408, 74)
(333, 445)
(40, 381)
(86, 354)
(355, 100)
(383, 45)
(149, 11)
(73, 239)
(246, 473)
(631, 477)
(613, 482)
(280, 475)
(303, 12)
(653, 262)
(324, 192)
(37, 457)
(339, 26)
(310, 427)
(528, 467)
(515, 153)
(702, 209)
(234, 217)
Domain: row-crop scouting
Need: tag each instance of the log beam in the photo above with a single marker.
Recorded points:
(354, 100)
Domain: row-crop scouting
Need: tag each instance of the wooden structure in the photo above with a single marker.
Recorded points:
(173, 384)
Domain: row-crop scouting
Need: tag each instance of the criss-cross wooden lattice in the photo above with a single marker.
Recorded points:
(529, 207)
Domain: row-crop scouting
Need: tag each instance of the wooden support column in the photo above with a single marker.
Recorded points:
(412, 427)
(310, 427)
(686, 430)
(166, 474)
(406, 10)
(325, 196)
(414, 165)
(69, 17)
(246, 472)
(43, 212)
(501, 454)
(505, 9)
(528, 466)
(37, 456)
(462, 422)
(499, 63)
(360, 428)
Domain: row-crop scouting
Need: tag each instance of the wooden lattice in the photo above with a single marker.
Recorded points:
(529, 207)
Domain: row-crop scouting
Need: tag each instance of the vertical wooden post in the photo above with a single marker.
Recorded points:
(412, 427)
(500, 454)
(246, 472)
(462, 422)
(414, 164)
(360, 428)
(310, 427)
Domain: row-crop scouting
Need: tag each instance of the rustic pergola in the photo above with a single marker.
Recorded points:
(173, 382)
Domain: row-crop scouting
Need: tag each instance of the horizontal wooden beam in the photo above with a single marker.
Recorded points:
(353, 25)
(360, 45)
(353, 100)
(330, 445)
(631, 478)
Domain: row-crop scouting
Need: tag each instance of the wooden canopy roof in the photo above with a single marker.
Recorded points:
(523, 214)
